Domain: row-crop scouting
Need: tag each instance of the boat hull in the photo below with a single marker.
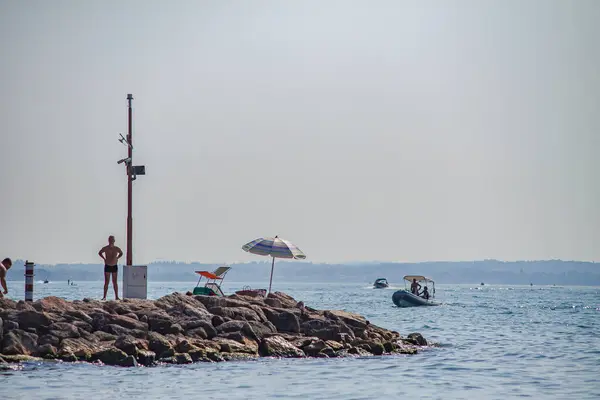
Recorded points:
(380, 286)
(403, 298)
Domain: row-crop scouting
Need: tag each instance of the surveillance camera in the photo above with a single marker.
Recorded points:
(124, 160)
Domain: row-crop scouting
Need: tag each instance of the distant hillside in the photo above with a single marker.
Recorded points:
(488, 271)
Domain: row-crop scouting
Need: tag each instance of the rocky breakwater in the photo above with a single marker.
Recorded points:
(180, 328)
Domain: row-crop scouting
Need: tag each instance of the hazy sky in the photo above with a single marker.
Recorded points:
(388, 130)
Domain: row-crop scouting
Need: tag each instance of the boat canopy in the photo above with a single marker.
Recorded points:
(419, 278)
(380, 279)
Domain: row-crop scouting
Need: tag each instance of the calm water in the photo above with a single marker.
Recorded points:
(495, 342)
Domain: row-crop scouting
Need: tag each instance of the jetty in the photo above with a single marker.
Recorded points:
(182, 328)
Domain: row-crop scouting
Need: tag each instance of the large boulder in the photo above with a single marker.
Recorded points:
(284, 321)
(63, 330)
(111, 356)
(79, 348)
(128, 344)
(235, 313)
(242, 327)
(32, 319)
(19, 342)
(206, 326)
(233, 346)
(276, 346)
(285, 300)
(417, 339)
(326, 329)
(158, 343)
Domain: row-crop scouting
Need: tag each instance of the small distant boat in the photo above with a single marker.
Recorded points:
(380, 283)
(482, 284)
(46, 281)
(404, 298)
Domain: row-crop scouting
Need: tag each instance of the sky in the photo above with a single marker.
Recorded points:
(358, 130)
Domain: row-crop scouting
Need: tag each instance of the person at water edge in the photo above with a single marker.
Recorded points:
(4, 267)
(414, 287)
(425, 293)
(110, 254)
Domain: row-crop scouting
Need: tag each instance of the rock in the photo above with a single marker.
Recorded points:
(127, 344)
(239, 313)
(184, 347)
(283, 321)
(146, 357)
(77, 315)
(158, 343)
(19, 358)
(19, 342)
(32, 319)
(46, 351)
(276, 346)
(285, 300)
(183, 358)
(232, 346)
(104, 336)
(389, 347)
(23, 305)
(80, 348)
(314, 348)
(273, 302)
(128, 361)
(216, 301)
(110, 356)
(238, 326)
(217, 320)
(358, 351)
(326, 329)
(198, 333)
(63, 330)
(52, 304)
(1, 330)
(10, 326)
(49, 339)
(262, 329)
(334, 345)
(209, 330)
(417, 339)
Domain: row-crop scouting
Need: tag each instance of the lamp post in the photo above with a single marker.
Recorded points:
(132, 172)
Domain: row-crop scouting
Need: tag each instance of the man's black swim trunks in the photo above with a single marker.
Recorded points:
(110, 268)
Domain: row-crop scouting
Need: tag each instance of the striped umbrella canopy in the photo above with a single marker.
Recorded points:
(275, 248)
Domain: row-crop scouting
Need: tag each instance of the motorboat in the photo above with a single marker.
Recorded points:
(381, 283)
(405, 298)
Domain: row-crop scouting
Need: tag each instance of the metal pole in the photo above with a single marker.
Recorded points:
(29, 280)
(271, 280)
(129, 188)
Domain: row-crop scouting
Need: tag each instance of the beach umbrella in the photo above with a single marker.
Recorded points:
(275, 248)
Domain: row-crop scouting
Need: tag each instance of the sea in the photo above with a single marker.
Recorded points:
(487, 342)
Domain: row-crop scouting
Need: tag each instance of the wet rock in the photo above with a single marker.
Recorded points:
(110, 356)
(46, 351)
(158, 343)
(276, 346)
(127, 344)
(417, 339)
(389, 347)
(358, 351)
(128, 361)
(314, 348)
(1, 330)
(146, 357)
(183, 358)
(80, 348)
(283, 321)
(19, 342)
(232, 346)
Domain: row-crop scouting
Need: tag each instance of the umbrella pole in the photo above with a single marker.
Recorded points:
(271, 280)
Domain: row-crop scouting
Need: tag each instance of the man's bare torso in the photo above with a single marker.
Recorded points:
(112, 254)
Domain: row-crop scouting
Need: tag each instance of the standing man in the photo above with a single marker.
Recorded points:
(110, 254)
(4, 267)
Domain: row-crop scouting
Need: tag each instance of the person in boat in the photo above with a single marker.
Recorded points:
(425, 293)
(414, 287)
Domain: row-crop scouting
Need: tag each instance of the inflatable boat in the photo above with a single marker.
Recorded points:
(405, 298)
